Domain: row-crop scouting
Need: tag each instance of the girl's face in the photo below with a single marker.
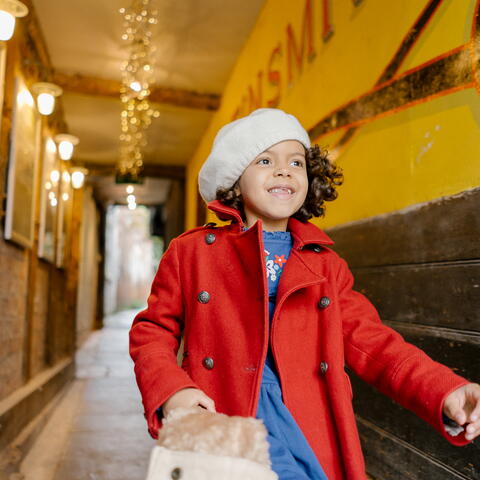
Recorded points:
(274, 185)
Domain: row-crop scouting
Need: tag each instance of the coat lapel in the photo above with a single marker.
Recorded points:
(296, 275)
(300, 273)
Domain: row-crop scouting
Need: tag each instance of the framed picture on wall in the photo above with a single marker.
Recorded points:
(22, 167)
(63, 215)
(49, 200)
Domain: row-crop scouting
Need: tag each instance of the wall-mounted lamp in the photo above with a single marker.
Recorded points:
(46, 93)
(9, 11)
(65, 143)
(78, 177)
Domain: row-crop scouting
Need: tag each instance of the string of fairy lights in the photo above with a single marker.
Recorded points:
(137, 76)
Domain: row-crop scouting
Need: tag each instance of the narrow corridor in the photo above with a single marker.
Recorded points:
(119, 122)
(97, 430)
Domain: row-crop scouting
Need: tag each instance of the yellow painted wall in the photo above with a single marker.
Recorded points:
(413, 155)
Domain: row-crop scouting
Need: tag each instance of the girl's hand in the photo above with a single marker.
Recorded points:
(188, 397)
(463, 406)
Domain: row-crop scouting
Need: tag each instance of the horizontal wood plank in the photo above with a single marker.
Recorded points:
(445, 229)
(107, 87)
(442, 294)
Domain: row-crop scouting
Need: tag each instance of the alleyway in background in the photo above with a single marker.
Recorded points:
(97, 431)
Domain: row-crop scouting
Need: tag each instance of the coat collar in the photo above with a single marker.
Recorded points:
(303, 232)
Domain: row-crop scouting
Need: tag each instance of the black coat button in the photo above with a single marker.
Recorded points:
(312, 246)
(176, 473)
(208, 362)
(210, 238)
(324, 302)
(323, 367)
(203, 297)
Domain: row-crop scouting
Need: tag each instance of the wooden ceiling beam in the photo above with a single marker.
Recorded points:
(173, 172)
(36, 34)
(87, 85)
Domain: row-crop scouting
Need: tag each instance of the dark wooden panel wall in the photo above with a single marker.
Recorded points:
(420, 267)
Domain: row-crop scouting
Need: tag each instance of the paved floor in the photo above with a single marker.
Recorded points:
(97, 431)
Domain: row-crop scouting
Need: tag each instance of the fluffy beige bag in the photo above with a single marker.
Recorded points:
(195, 444)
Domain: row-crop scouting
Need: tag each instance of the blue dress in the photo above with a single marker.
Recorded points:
(291, 455)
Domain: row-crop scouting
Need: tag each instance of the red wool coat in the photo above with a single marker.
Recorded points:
(212, 281)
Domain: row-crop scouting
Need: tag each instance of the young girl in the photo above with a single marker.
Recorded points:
(270, 318)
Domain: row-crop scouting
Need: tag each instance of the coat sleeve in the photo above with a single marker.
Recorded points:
(380, 356)
(155, 337)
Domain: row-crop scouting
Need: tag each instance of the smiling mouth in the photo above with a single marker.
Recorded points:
(281, 192)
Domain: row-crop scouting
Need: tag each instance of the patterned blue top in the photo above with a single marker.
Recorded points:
(277, 246)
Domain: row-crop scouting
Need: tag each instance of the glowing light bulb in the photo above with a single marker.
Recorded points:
(66, 177)
(78, 178)
(66, 144)
(132, 206)
(130, 189)
(65, 149)
(45, 103)
(131, 199)
(7, 25)
(55, 176)
(65, 196)
(136, 87)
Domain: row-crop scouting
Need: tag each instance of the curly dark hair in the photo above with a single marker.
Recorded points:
(323, 177)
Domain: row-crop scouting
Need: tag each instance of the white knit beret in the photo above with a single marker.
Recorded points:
(237, 143)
